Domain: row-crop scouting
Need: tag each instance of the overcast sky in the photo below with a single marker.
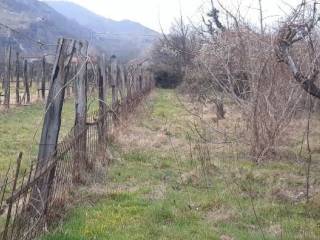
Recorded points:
(152, 13)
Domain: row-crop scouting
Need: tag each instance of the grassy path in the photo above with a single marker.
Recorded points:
(156, 190)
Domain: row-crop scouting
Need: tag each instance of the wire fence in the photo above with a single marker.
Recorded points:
(24, 212)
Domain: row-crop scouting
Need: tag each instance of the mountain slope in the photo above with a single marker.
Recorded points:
(98, 23)
(125, 34)
(33, 21)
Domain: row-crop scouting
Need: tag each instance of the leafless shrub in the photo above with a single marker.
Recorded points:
(243, 65)
(240, 65)
(173, 53)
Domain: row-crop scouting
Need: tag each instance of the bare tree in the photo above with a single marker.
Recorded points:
(300, 27)
(173, 53)
(241, 65)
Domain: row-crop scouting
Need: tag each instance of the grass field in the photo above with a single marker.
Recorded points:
(158, 189)
(20, 130)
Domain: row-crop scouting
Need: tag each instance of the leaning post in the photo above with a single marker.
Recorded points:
(52, 122)
(81, 89)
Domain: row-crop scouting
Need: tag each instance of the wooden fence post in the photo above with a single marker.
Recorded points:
(25, 81)
(81, 86)
(125, 91)
(140, 80)
(74, 72)
(31, 74)
(113, 79)
(17, 79)
(52, 122)
(38, 78)
(121, 83)
(103, 84)
(102, 103)
(135, 85)
(105, 74)
(7, 79)
(132, 85)
(129, 86)
(3, 75)
(43, 79)
(15, 181)
(68, 86)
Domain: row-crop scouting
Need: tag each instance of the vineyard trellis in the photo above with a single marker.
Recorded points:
(30, 199)
(25, 77)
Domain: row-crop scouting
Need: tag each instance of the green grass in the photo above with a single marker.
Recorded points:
(166, 106)
(150, 193)
(20, 130)
(128, 216)
(180, 214)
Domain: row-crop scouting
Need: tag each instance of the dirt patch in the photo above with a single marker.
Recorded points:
(111, 188)
(287, 195)
(158, 192)
(220, 215)
(275, 230)
(226, 237)
(159, 135)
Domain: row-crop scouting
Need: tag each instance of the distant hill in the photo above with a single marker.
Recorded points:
(98, 23)
(33, 21)
(120, 35)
